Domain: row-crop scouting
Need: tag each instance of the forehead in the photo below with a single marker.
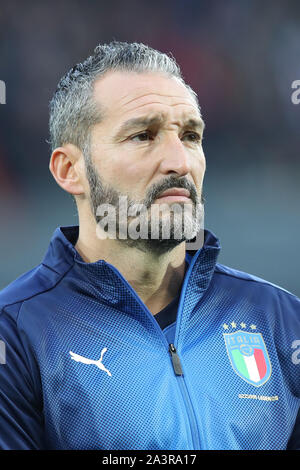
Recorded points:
(123, 95)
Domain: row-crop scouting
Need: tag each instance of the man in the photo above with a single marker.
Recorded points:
(120, 341)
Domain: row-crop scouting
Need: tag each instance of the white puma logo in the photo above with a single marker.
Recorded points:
(85, 360)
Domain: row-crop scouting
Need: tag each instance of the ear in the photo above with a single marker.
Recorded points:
(66, 166)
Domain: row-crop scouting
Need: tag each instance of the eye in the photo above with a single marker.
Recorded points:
(193, 136)
(142, 136)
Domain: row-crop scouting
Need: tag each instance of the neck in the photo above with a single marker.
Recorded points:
(156, 277)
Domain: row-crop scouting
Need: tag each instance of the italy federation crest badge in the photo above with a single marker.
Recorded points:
(248, 356)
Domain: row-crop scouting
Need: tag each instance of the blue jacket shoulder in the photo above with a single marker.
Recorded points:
(240, 275)
(31, 283)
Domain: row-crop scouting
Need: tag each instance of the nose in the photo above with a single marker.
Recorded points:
(175, 157)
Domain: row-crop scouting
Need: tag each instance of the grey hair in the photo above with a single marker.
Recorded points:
(73, 111)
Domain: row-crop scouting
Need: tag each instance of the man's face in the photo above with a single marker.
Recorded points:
(149, 141)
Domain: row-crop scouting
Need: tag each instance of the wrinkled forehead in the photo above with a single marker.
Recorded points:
(121, 93)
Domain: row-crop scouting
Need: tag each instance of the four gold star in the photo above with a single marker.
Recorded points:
(242, 324)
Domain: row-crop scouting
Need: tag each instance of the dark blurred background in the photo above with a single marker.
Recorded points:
(240, 56)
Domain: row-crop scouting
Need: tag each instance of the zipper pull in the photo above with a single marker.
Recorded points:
(175, 360)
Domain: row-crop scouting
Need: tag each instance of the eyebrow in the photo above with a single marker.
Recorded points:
(148, 121)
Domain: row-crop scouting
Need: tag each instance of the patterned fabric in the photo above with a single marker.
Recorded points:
(87, 365)
(168, 315)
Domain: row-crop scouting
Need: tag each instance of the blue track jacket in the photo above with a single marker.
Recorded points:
(85, 365)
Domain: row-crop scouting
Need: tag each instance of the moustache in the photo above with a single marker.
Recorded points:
(170, 183)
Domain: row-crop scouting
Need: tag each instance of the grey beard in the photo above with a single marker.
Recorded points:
(101, 193)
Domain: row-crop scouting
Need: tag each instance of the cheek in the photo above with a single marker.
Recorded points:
(200, 168)
(202, 160)
(126, 176)
(203, 166)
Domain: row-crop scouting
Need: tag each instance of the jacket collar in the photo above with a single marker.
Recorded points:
(108, 282)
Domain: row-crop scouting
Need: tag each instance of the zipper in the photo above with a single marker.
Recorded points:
(172, 350)
(186, 397)
(175, 360)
